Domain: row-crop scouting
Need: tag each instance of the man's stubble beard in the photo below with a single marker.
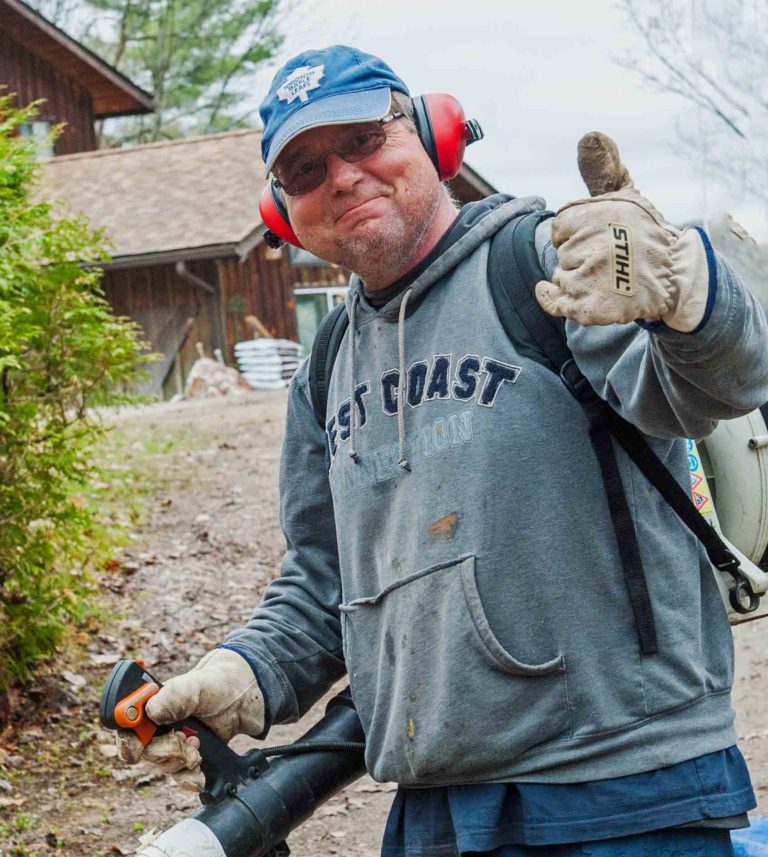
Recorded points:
(379, 257)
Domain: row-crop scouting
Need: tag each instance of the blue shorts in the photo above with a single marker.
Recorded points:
(659, 843)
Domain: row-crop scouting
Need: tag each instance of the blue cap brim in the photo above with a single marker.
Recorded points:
(333, 110)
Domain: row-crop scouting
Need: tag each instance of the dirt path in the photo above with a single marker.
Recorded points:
(198, 565)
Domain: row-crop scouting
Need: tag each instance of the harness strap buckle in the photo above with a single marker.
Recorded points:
(743, 597)
(731, 565)
(574, 380)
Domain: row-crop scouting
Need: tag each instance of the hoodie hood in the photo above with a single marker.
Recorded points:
(476, 222)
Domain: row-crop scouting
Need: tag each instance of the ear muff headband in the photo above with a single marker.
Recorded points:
(424, 128)
(444, 132)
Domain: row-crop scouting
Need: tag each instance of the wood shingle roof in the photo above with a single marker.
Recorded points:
(190, 198)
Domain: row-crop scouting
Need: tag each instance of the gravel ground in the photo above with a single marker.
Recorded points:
(194, 570)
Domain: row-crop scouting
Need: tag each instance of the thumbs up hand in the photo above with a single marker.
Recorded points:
(618, 260)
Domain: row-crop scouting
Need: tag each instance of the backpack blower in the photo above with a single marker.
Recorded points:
(729, 484)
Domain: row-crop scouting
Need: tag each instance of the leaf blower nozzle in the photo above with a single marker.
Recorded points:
(185, 839)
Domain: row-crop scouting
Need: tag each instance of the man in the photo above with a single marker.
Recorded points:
(449, 540)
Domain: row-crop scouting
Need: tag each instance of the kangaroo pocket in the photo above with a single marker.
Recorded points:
(440, 699)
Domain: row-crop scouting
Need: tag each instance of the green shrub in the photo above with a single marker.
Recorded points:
(62, 351)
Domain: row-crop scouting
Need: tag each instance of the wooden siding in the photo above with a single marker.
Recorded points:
(163, 303)
(263, 285)
(30, 77)
(110, 92)
(175, 314)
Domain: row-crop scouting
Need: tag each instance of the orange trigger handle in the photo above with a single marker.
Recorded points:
(129, 713)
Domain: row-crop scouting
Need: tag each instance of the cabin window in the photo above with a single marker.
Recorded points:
(299, 257)
(39, 131)
(311, 305)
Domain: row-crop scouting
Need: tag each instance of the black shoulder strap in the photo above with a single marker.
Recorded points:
(324, 350)
(513, 271)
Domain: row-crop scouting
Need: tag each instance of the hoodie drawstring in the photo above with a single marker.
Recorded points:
(352, 373)
(403, 460)
(402, 457)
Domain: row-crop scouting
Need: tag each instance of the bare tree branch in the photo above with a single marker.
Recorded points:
(678, 72)
(711, 53)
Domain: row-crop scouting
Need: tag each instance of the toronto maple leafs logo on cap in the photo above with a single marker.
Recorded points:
(299, 82)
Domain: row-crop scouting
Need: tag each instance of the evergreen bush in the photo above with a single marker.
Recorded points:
(62, 352)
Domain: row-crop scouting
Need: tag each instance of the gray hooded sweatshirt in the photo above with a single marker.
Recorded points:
(449, 542)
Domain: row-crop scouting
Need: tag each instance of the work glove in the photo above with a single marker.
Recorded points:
(618, 260)
(222, 692)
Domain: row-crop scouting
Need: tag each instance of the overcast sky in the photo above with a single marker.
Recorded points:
(537, 75)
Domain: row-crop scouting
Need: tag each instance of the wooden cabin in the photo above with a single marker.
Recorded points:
(40, 61)
(189, 260)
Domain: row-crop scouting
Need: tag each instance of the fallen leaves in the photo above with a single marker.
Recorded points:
(173, 591)
(109, 751)
(372, 786)
(755, 736)
(331, 809)
(75, 679)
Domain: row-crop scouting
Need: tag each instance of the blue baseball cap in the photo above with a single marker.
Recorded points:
(332, 86)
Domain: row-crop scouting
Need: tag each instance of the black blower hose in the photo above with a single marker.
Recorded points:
(258, 818)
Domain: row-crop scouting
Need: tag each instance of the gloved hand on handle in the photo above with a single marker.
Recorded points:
(618, 260)
(222, 692)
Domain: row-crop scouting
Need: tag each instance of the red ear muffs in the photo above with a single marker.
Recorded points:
(444, 131)
(274, 215)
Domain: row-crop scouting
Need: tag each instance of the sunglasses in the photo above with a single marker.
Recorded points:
(307, 172)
